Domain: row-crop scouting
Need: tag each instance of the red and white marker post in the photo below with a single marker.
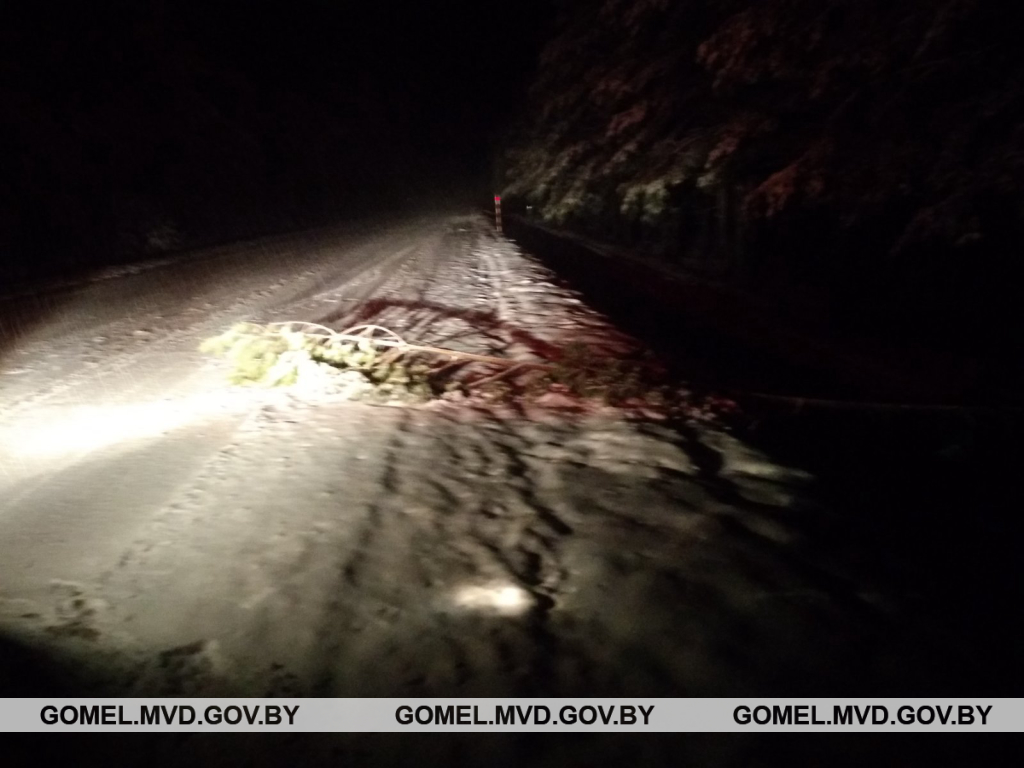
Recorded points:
(497, 212)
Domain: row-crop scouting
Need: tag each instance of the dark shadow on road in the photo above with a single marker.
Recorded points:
(720, 339)
(30, 671)
(931, 502)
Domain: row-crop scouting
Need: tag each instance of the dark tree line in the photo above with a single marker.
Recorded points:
(872, 150)
(132, 126)
(123, 133)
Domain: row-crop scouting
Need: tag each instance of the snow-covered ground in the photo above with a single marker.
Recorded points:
(164, 533)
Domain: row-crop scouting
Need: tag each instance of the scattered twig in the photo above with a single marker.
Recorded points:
(501, 374)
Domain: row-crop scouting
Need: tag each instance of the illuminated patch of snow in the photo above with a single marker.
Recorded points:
(501, 598)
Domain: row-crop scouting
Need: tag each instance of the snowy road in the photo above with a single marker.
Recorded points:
(164, 533)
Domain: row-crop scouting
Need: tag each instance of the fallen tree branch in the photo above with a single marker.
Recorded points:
(366, 331)
(389, 367)
(397, 342)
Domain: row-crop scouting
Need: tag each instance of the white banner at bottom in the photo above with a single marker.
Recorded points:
(373, 715)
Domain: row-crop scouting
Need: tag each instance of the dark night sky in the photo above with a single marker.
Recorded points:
(427, 62)
(216, 114)
(445, 68)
